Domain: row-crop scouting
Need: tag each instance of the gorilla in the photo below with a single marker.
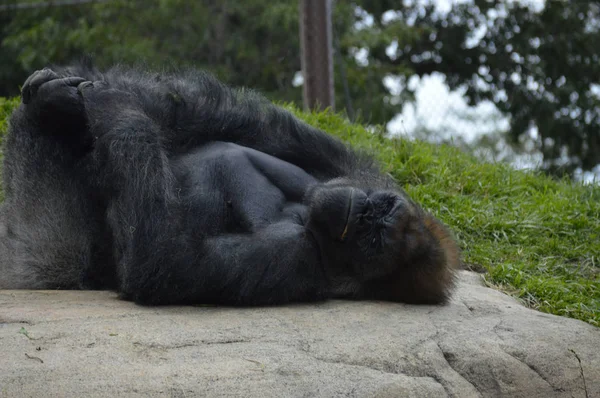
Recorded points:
(174, 188)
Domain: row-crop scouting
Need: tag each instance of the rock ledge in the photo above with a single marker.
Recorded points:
(483, 344)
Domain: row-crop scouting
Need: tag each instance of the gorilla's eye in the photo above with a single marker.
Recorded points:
(366, 217)
(391, 203)
(393, 211)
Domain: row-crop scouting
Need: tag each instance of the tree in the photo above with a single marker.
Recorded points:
(540, 67)
(242, 42)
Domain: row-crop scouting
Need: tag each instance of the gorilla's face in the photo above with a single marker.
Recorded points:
(380, 240)
(383, 229)
(371, 230)
(371, 218)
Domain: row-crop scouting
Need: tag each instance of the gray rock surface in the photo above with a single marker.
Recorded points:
(484, 343)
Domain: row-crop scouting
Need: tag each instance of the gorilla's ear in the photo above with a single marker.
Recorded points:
(426, 274)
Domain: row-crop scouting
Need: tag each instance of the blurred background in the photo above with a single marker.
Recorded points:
(514, 80)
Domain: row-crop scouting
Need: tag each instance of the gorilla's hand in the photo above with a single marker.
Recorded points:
(385, 241)
(347, 213)
(338, 210)
(368, 220)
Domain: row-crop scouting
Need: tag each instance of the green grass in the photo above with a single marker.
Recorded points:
(537, 238)
(6, 106)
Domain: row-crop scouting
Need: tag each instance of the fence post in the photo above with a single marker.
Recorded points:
(317, 54)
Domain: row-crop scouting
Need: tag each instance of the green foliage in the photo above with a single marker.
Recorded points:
(218, 36)
(6, 107)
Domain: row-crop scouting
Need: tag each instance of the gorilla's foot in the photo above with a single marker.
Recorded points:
(47, 86)
(55, 108)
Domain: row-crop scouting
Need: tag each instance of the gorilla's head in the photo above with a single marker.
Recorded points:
(379, 244)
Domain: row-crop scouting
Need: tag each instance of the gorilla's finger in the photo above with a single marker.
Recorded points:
(73, 81)
(33, 83)
(84, 86)
(25, 94)
(25, 88)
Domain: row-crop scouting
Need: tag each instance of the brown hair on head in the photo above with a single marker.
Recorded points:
(427, 272)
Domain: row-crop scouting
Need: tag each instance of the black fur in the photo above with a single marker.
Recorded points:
(175, 188)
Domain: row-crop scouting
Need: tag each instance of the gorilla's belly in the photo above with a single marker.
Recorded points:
(252, 189)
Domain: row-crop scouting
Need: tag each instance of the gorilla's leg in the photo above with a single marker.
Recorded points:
(49, 209)
(193, 108)
(159, 261)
